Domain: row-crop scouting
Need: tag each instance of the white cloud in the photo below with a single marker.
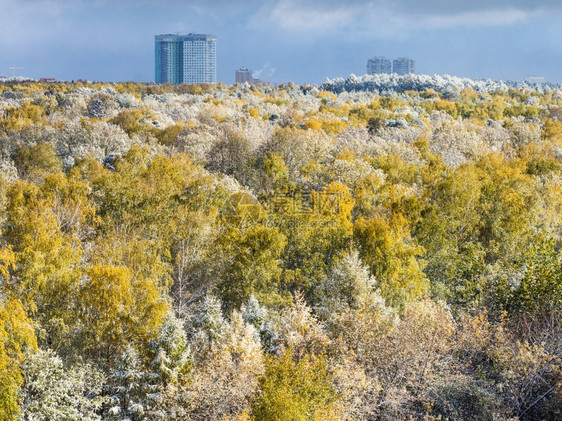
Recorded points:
(265, 72)
(298, 16)
(397, 19)
(495, 17)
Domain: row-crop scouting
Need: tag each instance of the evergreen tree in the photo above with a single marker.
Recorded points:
(52, 391)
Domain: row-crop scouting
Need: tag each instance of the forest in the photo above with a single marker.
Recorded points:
(216, 252)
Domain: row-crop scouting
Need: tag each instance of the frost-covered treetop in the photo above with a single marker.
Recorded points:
(386, 82)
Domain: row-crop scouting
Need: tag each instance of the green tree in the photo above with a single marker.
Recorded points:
(296, 390)
(319, 230)
(541, 286)
(393, 257)
(134, 121)
(35, 162)
(118, 309)
(254, 266)
(47, 270)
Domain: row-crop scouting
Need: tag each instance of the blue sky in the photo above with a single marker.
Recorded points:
(285, 40)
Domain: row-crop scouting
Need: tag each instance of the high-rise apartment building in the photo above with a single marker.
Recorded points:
(190, 58)
(403, 66)
(168, 59)
(379, 65)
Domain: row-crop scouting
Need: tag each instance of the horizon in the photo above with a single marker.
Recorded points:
(283, 40)
(531, 83)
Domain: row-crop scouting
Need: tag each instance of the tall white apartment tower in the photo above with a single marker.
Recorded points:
(403, 66)
(190, 58)
(199, 58)
(379, 65)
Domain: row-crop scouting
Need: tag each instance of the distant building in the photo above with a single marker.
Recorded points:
(190, 58)
(534, 80)
(379, 65)
(47, 79)
(244, 75)
(258, 82)
(403, 66)
(168, 58)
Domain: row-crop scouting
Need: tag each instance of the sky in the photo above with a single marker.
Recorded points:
(283, 41)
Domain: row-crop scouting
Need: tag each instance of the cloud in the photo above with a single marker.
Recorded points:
(479, 18)
(418, 8)
(381, 16)
(291, 15)
(265, 72)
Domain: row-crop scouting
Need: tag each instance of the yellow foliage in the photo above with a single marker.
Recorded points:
(390, 103)
(168, 135)
(119, 308)
(276, 101)
(329, 126)
(375, 104)
(346, 155)
(218, 117)
(428, 93)
(17, 119)
(341, 111)
(242, 416)
(477, 121)
(326, 95)
(447, 106)
(333, 126)
(134, 121)
(385, 245)
(16, 336)
(107, 301)
(7, 262)
(314, 124)
(469, 93)
(254, 112)
(336, 200)
(296, 390)
(258, 94)
(552, 129)
(46, 258)
(34, 163)
(422, 144)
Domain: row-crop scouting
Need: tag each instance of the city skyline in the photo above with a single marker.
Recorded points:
(400, 66)
(284, 40)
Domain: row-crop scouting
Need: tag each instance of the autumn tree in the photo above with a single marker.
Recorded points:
(386, 246)
(16, 336)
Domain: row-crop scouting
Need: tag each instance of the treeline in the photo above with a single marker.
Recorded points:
(445, 84)
(244, 253)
